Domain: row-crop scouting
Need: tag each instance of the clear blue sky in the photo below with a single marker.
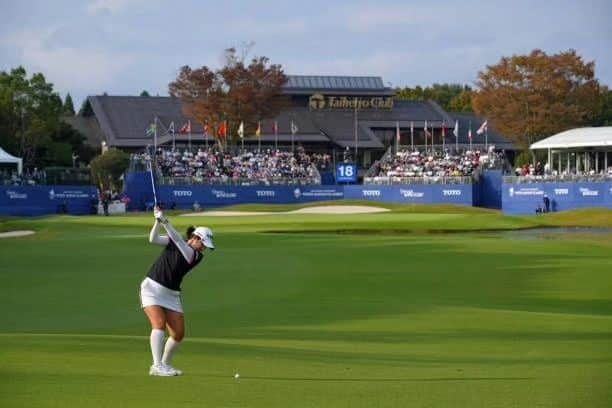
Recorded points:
(124, 46)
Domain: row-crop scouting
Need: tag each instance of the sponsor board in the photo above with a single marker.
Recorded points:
(16, 195)
(224, 194)
(410, 193)
(451, 193)
(370, 193)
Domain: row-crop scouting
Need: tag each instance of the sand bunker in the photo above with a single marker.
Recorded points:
(327, 209)
(13, 234)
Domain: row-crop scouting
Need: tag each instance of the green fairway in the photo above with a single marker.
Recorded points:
(376, 310)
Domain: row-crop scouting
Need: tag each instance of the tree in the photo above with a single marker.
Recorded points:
(461, 102)
(144, 93)
(30, 119)
(236, 92)
(529, 97)
(86, 109)
(68, 105)
(107, 169)
(451, 97)
(604, 117)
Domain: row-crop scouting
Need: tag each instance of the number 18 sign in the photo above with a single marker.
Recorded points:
(346, 173)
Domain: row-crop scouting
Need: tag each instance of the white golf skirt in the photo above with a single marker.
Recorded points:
(154, 294)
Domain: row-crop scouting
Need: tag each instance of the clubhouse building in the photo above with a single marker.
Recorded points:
(334, 114)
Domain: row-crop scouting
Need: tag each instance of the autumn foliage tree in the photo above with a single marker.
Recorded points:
(530, 97)
(236, 92)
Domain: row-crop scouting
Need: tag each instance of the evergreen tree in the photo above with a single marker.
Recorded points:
(68, 105)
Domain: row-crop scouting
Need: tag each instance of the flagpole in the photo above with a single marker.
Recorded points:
(276, 135)
(443, 137)
(487, 139)
(155, 132)
(189, 135)
(206, 134)
(412, 135)
(397, 136)
(292, 138)
(356, 140)
(470, 135)
(425, 127)
(457, 137)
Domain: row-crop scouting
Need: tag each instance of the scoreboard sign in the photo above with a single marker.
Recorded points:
(346, 173)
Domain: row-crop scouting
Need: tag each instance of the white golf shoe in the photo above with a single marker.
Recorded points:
(171, 369)
(161, 370)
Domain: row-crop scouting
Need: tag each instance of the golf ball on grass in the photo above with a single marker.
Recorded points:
(236, 376)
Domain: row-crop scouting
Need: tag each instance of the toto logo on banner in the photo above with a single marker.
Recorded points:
(451, 192)
(411, 193)
(297, 193)
(371, 193)
(223, 194)
(182, 193)
(14, 195)
(561, 191)
(266, 193)
(587, 192)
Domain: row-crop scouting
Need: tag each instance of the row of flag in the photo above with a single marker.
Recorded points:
(221, 131)
(428, 134)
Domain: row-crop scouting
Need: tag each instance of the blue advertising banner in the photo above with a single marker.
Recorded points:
(42, 200)
(184, 197)
(460, 194)
(527, 198)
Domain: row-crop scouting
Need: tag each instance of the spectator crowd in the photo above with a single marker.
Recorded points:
(406, 166)
(29, 177)
(210, 166)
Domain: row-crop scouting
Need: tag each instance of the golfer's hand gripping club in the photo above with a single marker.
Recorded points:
(159, 215)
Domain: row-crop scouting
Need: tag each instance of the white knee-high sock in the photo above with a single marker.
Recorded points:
(169, 350)
(157, 345)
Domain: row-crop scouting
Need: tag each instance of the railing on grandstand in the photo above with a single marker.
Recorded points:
(373, 170)
(418, 180)
(550, 178)
(231, 181)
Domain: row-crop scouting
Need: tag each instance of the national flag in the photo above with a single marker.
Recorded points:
(456, 130)
(427, 134)
(205, 129)
(258, 130)
(470, 133)
(443, 130)
(150, 131)
(171, 127)
(275, 127)
(241, 130)
(186, 128)
(482, 128)
(222, 131)
(397, 132)
(294, 128)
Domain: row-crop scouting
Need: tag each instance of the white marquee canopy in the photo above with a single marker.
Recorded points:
(7, 158)
(577, 138)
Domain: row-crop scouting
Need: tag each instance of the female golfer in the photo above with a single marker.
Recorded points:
(160, 291)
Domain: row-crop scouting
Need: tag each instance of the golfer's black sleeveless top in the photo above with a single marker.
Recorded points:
(171, 267)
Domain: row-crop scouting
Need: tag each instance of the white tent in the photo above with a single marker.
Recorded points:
(580, 149)
(7, 158)
(577, 138)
